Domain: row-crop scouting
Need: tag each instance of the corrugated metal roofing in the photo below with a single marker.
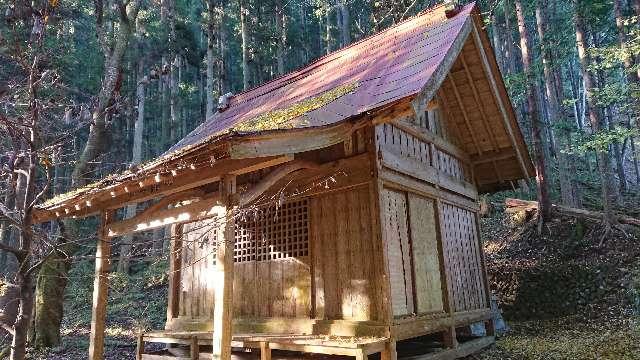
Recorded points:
(390, 65)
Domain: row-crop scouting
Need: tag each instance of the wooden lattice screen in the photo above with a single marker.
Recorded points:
(268, 233)
(464, 265)
(273, 232)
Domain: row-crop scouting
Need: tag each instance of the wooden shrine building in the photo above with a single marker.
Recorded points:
(332, 210)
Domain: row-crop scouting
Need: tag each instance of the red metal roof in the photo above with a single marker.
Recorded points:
(388, 66)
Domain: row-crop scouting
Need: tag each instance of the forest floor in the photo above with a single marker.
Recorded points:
(562, 296)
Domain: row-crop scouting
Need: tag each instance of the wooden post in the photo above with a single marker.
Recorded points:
(265, 351)
(449, 335)
(194, 350)
(223, 308)
(100, 288)
(361, 355)
(140, 347)
(389, 352)
(175, 264)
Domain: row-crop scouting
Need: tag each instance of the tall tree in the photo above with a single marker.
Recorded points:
(52, 278)
(281, 31)
(212, 43)
(345, 22)
(554, 98)
(595, 118)
(136, 155)
(244, 35)
(534, 119)
(633, 81)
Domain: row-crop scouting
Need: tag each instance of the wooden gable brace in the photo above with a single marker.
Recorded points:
(207, 206)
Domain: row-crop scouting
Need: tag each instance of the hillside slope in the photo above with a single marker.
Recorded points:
(562, 295)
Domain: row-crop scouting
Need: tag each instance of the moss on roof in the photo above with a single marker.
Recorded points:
(280, 119)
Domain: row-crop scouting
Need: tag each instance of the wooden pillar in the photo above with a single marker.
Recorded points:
(100, 288)
(140, 347)
(265, 351)
(175, 264)
(389, 352)
(223, 310)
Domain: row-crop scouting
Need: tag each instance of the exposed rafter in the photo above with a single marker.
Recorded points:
(465, 115)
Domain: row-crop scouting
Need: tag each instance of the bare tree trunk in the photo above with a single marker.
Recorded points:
(136, 156)
(304, 49)
(8, 264)
(244, 32)
(534, 118)
(174, 66)
(633, 80)
(497, 42)
(223, 83)
(328, 30)
(111, 82)
(24, 205)
(345, 23)
(636, 159)
(282, 35)
(594, 116)
(211, 44)
(510, 53)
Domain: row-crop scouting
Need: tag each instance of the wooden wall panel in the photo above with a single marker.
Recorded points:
(396, 239)
(344, 259)
(272, 277)
(424, 236)
(464, 265)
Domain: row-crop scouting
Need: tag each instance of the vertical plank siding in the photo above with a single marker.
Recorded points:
(396, 235)
(344, 257)
(424, 234)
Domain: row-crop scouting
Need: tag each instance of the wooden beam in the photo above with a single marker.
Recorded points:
(140, 347)
(205, 208)
(508, 118)
(194, 348)
(426, 173)
(488, 157)
(223, 279)
(404, 182)
(100, 288)
(389, 352)
(167, 183)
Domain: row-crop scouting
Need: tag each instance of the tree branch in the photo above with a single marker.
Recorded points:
(19, 254)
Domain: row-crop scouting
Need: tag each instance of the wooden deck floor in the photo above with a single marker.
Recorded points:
(197, 345)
